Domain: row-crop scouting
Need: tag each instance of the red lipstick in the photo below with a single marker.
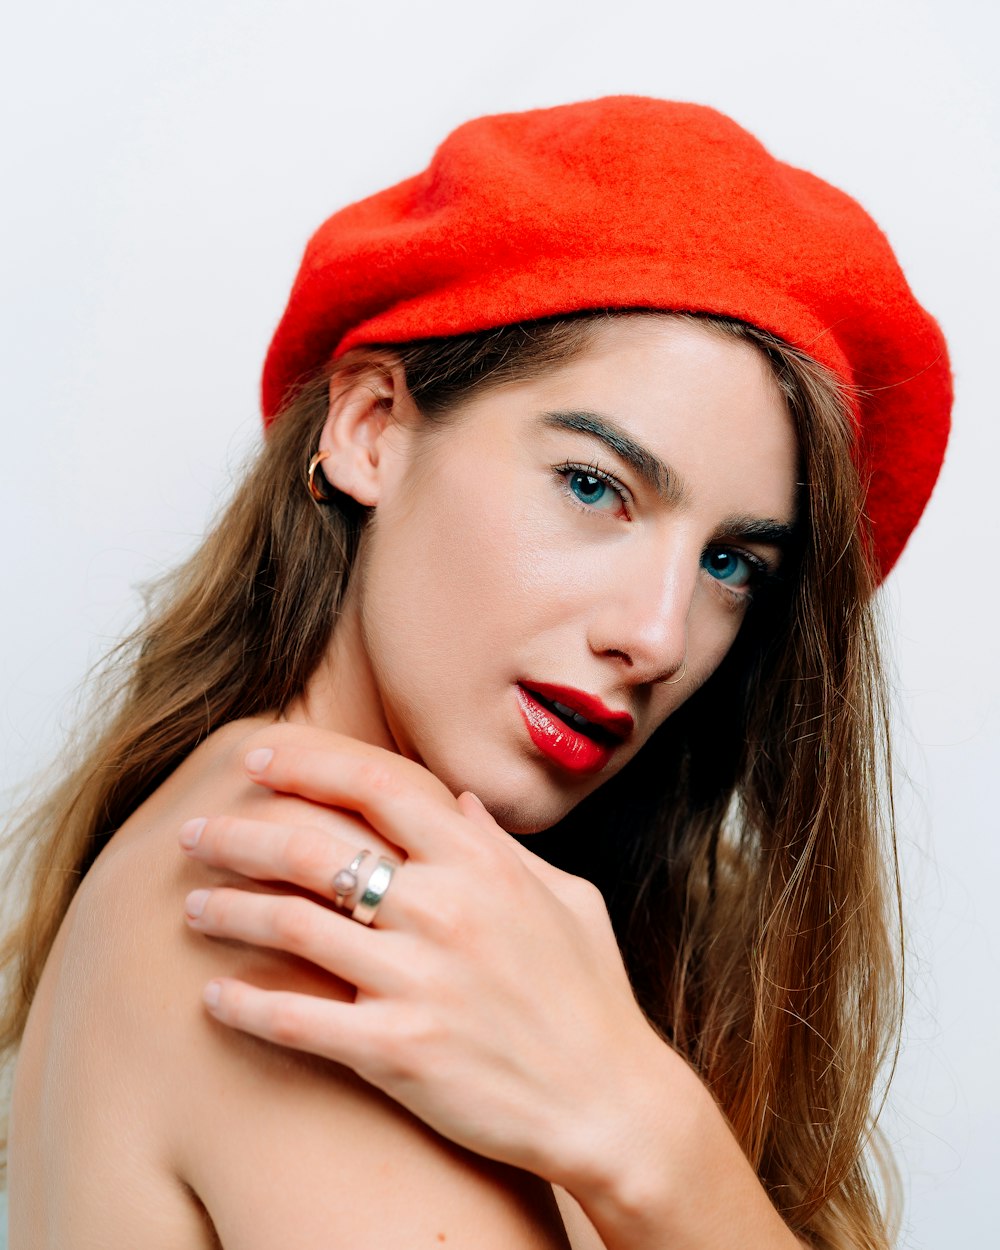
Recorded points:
(618, 724)
(552, 714)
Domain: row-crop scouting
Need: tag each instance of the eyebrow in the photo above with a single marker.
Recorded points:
(760, 530)
(661, 478)
(649, 468)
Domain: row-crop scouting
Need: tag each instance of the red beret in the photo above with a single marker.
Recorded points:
(629, 202)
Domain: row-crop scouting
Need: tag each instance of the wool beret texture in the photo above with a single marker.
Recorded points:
(631, 202)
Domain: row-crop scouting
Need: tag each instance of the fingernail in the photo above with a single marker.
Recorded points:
(257, 761)
(211, 994)
(195, 902)
(191, 831)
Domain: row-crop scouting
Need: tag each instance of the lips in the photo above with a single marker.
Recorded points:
(571, 729)
(569, 704)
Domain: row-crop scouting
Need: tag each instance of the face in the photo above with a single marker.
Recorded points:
(550, 574)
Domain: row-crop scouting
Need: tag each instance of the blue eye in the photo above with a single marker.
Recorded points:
(589, 489)
(729, 567)
(592, 488)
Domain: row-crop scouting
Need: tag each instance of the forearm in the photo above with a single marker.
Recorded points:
(579, 1091)
(667, 1171)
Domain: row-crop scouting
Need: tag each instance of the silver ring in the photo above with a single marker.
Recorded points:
(374, 892)
(346, 881)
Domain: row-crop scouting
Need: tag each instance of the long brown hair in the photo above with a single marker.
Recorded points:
(745, 854)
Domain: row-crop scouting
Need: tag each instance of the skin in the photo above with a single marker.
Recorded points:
(473, 525)
(478, 1095)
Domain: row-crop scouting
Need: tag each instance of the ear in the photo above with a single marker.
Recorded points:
(366, 398)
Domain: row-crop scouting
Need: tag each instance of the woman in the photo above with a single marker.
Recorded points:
(587, 449)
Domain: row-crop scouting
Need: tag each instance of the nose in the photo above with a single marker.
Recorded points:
(643, 613)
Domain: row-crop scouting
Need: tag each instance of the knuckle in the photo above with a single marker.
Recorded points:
(305, 853)
(294, 924)
(287, 1024)
(403, 1050)
(584, 896)
(505, 872)
(376, 777)
(387, 1059)
(489, 860)
(441, 907)
(446, 920)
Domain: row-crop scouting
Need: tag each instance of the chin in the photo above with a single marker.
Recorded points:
(520, 796)
(519, 819)
(522, 815)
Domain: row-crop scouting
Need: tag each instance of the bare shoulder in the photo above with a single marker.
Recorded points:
(236, 1142)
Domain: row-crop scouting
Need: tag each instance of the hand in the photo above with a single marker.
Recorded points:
(491, 996)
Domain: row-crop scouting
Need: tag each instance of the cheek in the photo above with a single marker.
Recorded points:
(712, 630)
(488, 552)
(450, 572)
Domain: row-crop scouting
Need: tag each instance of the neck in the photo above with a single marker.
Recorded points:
(342, 695)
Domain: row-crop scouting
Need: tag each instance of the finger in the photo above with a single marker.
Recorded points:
(292, 737)
(300, 927)
(266, 851)
(471, 806)
(398, 797)
(318, 1026)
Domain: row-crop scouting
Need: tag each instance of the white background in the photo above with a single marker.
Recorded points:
(163, 165)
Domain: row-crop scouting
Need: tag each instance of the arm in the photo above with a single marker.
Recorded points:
(456, 1015)
(181, 1115)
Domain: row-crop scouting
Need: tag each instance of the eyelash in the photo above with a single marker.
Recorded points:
(593, 469)
(762, 576)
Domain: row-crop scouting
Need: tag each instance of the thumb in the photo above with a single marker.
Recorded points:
(472, 807)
